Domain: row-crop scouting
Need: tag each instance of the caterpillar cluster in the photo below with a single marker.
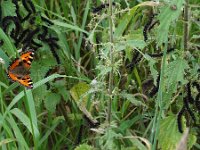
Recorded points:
(100, 7)
(155, 88)
(187, 101)
(135, 60)
(161, 54)
(26, 36)
(138, 57)
(148, 26)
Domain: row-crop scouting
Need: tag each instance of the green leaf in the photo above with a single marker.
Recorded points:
(55, 123)
(51, 100)
(18, 97)
(84, 147)
(25, 120)
(192, 140)
(104, 70)
(151, 63)
(68, 26)
(30, 107)
(78, 90)
(140, 44)
(79, 93)
(4, 57)
(109, 139)
(7, 46)
(169, 135)
(125, 125)
(175, 72)
(6, 141)
(124, 22)
(8, 8)
(17, 132)
(132, 99)
(166, 17)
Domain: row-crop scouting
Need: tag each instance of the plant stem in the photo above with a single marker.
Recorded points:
(111, 59)
(186, 34)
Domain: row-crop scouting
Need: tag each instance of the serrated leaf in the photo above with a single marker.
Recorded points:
(52, 99)
(8, 8)
(104, 70)
(140, 44)
(154, 72)
(169, 135)
(175, 71)
(166, 17)
(109, 139)
(132, 99)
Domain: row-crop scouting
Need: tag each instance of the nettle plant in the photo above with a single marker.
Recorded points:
(142, 49)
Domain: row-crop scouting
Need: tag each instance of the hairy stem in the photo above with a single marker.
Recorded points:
(186, 32)
(111, 59)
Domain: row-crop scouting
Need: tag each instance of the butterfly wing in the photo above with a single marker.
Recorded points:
(27, 58)
(25, 80)
(18, 71)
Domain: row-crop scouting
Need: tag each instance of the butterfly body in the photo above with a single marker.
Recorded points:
(18, 71)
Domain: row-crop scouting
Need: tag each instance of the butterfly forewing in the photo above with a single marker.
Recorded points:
(19, 69)
(27, 58)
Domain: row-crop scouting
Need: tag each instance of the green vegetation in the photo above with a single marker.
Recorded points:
(124, 75)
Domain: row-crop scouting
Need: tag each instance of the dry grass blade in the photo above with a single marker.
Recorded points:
(182, 145)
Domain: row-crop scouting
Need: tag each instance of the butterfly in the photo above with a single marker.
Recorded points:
(19, 69)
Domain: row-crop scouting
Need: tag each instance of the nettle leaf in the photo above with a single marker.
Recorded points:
(8, 8)
(109, 139)
(169, 135)
(140, 44)
(60, 85)
(104, 70)
(175, 72)
(167, 95)
(132, 99)
(151, 63)
(39, 68)
(166, 17)
(51, 100)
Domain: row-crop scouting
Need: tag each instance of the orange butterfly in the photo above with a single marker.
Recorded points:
(18, 71)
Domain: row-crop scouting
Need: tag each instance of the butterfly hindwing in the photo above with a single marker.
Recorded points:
(18, 71)
(26, 81)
